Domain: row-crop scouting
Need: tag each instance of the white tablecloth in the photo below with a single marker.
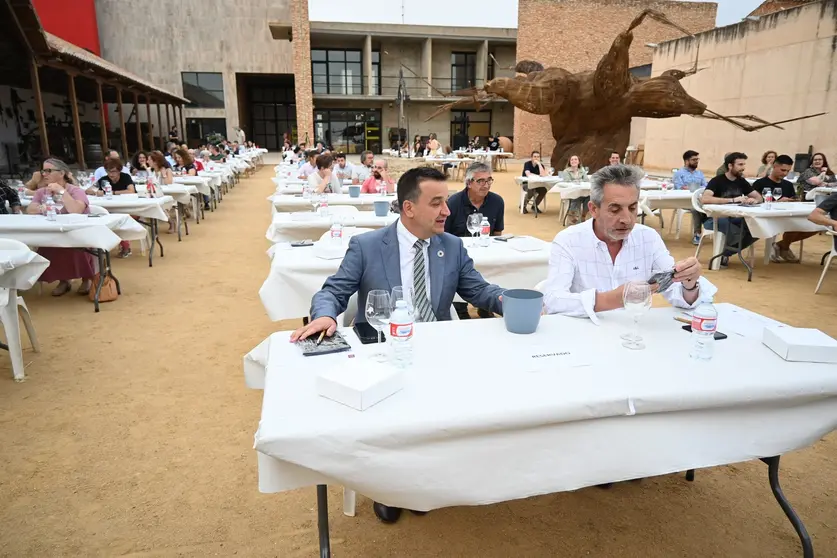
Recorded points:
(202, 183)
(181, 193)
(818, 194)
(282, 202)
(766, 223)
(130, 204)
(448, 160)
(296, 273)
(215, 178)
(300, 226)
(474, 428)
(20, 269)
(71, 231)
(668, 199)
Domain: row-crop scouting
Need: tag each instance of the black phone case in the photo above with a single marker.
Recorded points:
(718, 335)
(367, 334)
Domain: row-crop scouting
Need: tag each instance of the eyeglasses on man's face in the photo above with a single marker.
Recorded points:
(483, 181)
(47, 171)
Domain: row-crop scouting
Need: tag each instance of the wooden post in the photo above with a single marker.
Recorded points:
(39, 108)
(139, 125)
(71, 81)
(160, 129)
(148, 117)
(102, 121)
(122, 122)
(182, 123)
(168, 123)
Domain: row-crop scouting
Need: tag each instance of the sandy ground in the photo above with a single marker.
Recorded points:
(133, 433)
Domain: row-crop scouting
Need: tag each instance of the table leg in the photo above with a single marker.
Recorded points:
(796, 521)
(719, 240)
(322, 521)
(11, 322)
(103, 270)
(186, 223)
(177, 220)
(768, 248)
(155, 227)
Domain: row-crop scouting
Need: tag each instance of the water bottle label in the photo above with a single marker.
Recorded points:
(704, 324)
(486, 230)
(336, 233)
(401, 330)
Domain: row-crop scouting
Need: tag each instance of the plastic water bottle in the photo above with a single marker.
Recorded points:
(704, 324)
(50, 209)
(21, 191)
(108, 191)
(485, 232)
(337, 232)
(401, 335)
(768, 198)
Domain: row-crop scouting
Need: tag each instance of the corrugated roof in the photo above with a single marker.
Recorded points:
(68, 50)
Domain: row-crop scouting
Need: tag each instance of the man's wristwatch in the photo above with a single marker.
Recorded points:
(694, 287)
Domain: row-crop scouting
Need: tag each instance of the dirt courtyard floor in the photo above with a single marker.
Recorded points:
(133, 433)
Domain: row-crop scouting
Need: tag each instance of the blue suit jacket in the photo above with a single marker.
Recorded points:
(372, 262)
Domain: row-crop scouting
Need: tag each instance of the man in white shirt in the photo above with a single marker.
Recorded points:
(591, 262)
(343, 169)
(361, 172)
(310, 166)
(100, 172)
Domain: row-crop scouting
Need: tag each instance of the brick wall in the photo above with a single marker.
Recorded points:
(302, 71)
(575, 34)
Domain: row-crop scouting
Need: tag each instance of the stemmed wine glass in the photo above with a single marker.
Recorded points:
(402, 293)
(474, 224)
(378, 310)
(637, 300)
(777, 194)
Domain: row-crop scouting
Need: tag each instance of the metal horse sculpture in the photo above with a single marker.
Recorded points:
(590, 112)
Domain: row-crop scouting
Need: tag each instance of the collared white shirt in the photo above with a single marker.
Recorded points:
(406, 253)
(345, 171)
(307, 170)
(580, 265)
(361, 172)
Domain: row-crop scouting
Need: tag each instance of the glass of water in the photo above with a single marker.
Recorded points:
(637, 301)
(777, 194)
(474, 224)
(378, 310)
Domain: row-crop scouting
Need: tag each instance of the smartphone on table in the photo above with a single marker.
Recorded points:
(367, 334)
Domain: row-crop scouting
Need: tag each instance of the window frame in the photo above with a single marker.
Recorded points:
(470, 69)
(325, 62)
(197, 84)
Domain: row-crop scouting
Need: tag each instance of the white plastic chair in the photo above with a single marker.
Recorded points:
(98, 210)
(12, 307)
(828, 259)
(698, 206)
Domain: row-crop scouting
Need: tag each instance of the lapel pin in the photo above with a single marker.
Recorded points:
(440, 253)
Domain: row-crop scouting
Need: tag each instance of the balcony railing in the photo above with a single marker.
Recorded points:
(416, 88)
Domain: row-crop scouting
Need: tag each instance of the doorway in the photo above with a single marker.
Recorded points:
(270, 110)
(465, 124)
(349, 131)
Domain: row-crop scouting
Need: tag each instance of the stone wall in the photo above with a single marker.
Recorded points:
(575, 34)
(779, 67)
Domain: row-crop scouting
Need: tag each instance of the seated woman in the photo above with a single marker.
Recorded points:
(161, 170)
(767, 161)
(576, 173)
(139, 165)
(818, 174)
(323, 180)
(379, 179)
(65, 264)
(534, 167)
(206, 159)
(184, 164)
(120, 183)
(37, 181)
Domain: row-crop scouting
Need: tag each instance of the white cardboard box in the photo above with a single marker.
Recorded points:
(799, 344)
(360, 384)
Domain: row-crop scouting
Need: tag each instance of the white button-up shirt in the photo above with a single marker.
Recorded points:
(361, 172)
(580, 266)
(406, 254)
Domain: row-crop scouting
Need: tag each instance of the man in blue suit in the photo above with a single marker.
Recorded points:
(414, 251)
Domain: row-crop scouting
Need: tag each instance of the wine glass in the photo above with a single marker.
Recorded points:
(378, 310)
(474, 225)
(402, 293)
(637, 301)
(777, 194)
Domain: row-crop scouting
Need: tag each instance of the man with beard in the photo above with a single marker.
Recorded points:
(590, 263)
(378, 179)
(691, 178)
(732, 187)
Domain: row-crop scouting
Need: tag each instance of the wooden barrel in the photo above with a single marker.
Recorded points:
(93, 156)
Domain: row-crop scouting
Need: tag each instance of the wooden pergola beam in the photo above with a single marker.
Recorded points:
(150, 126)
(102, 121)
(160, 128)
(71, 83)
(39, 107)
(139, 124)
(122, 122)
(182, 123)
(168, 122)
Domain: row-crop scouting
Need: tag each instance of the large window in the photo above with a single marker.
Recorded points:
(273, 114)
(463, 70)
(349, 131)
(203, 89)
(340, 71)
(198, 129)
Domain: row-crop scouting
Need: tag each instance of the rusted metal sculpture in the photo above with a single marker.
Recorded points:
(590, 112)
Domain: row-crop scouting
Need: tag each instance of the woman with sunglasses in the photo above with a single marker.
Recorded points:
(65, 264)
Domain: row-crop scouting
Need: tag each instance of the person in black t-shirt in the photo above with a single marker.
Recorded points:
(120, 182)
(826, 212)
(731, 187)
(534, 167)
(782, 165)
(494, 143)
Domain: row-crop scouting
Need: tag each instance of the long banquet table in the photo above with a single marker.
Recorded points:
(282, 202)
(585, 412)
(296, 274)
(286, 227)
(98, 234)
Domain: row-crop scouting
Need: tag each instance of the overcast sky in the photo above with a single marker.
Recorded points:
(491, 13)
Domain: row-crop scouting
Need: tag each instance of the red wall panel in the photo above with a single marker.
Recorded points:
(72, 20)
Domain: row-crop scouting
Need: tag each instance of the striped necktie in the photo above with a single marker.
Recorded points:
(422, 308)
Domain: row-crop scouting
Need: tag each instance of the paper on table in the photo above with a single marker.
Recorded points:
(544, 358)
(746, 324)
(525, 244)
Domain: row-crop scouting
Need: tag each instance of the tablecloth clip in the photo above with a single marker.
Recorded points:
(631, 408)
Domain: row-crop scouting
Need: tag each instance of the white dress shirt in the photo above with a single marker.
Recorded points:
(361, 172)
(580, 266)
(307, 170)
(345, 171)
(406, 252)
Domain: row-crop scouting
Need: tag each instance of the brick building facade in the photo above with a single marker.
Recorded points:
(575, 34)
